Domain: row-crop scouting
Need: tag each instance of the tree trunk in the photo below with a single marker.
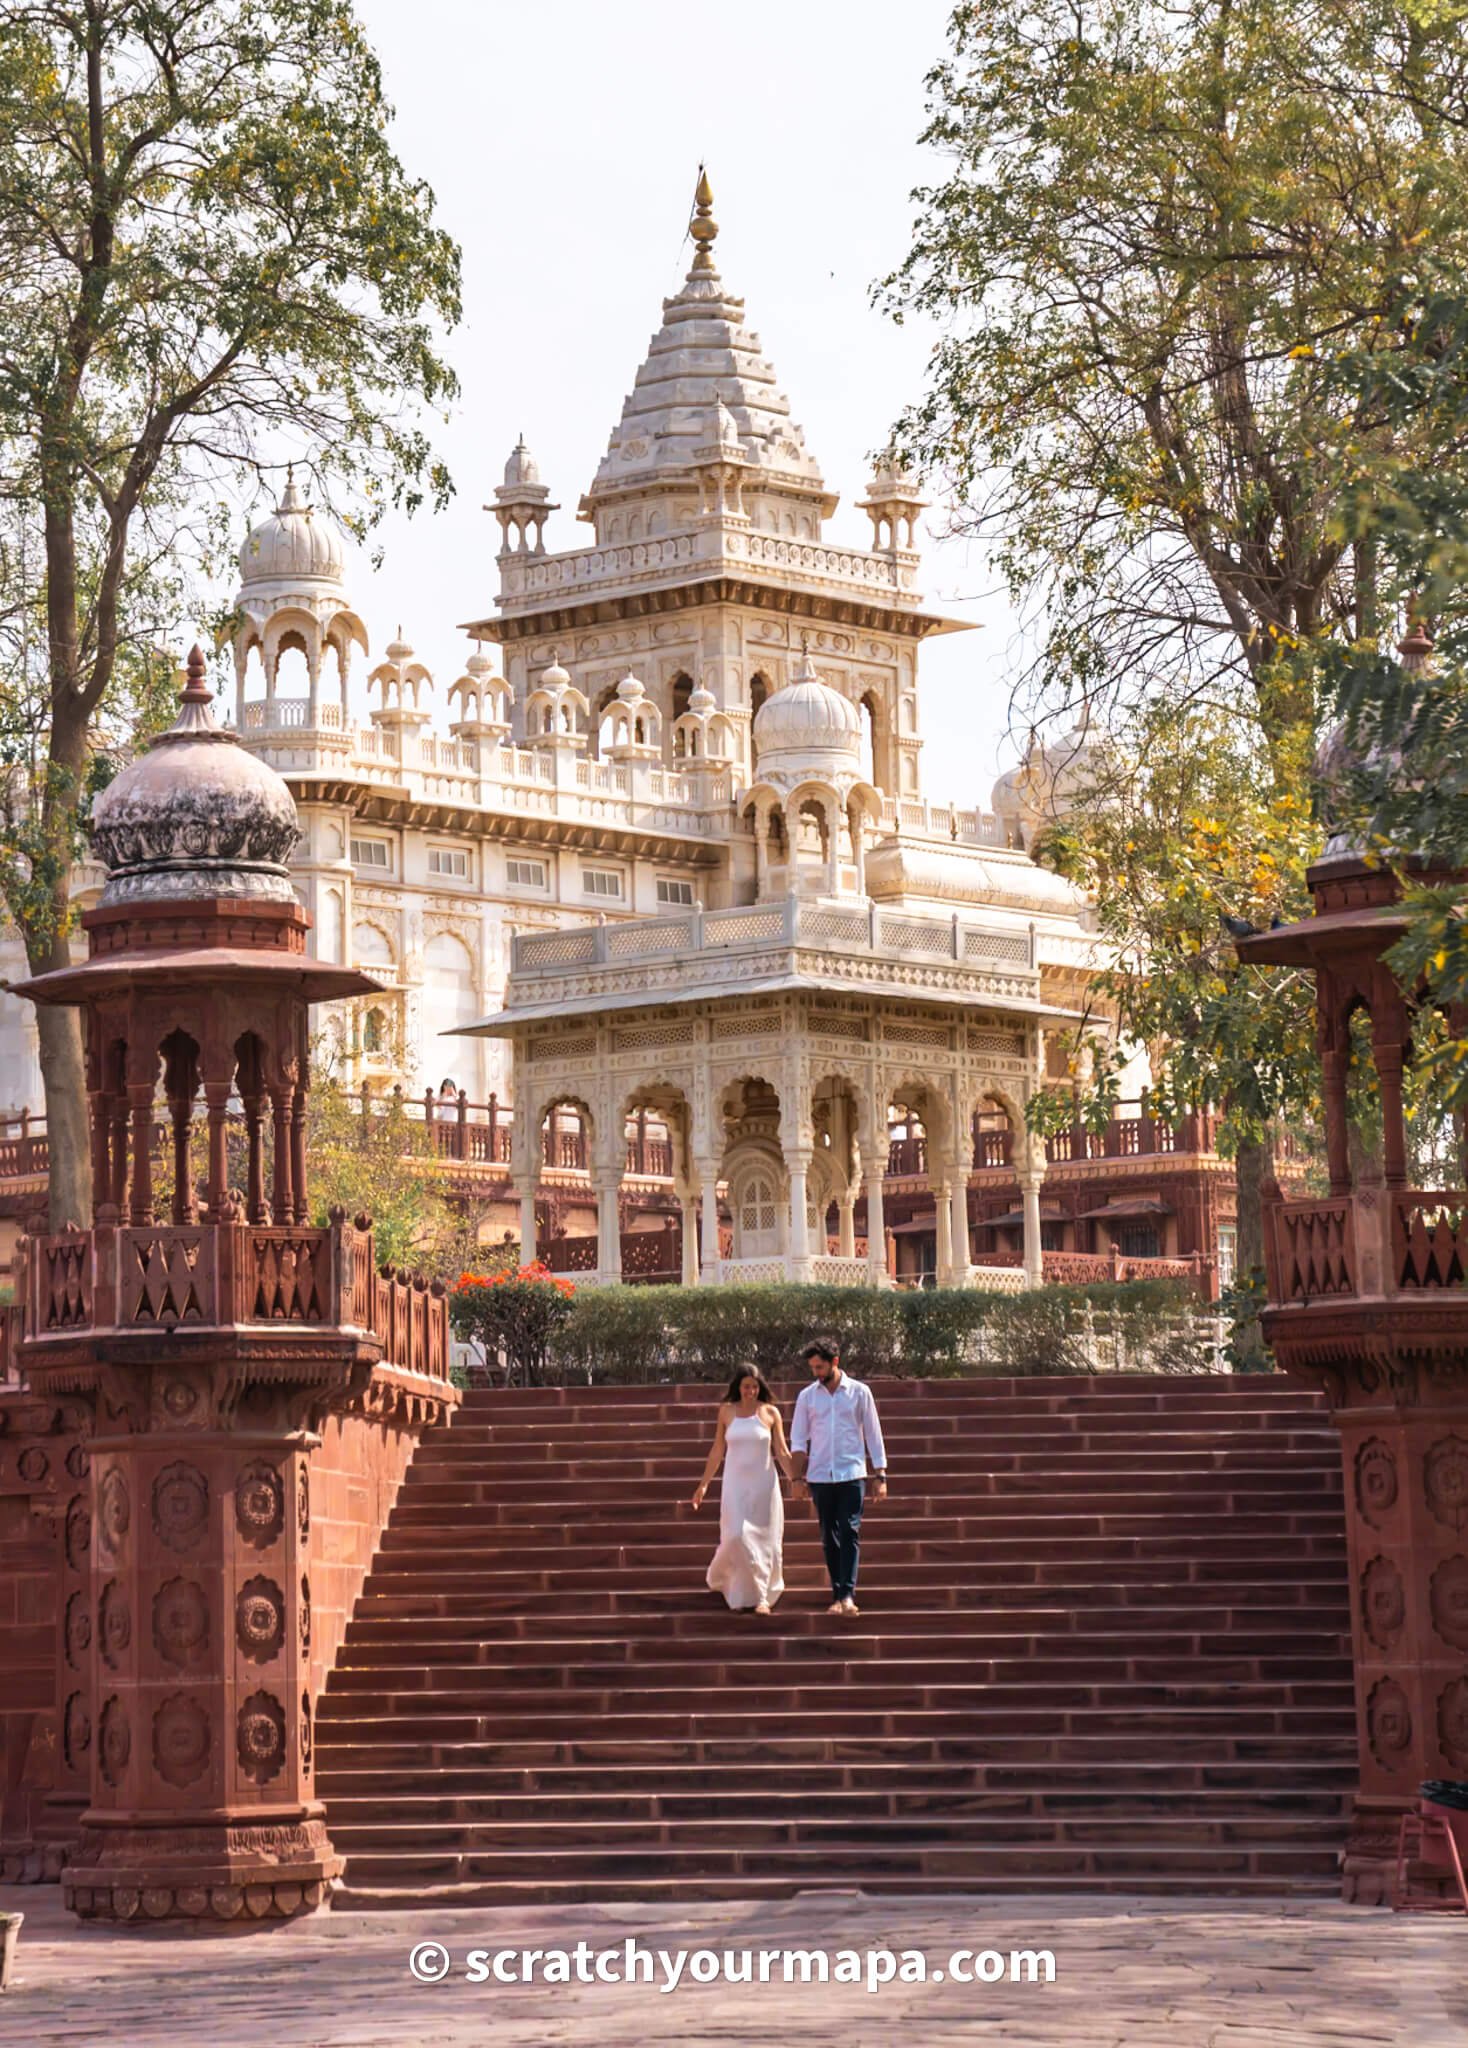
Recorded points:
(63, 1074)
(1253, 1165)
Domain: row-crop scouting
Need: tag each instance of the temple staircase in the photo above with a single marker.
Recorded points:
(1103, 1646)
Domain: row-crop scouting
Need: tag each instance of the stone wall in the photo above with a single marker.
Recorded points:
(355, 1476)
(45, 1633)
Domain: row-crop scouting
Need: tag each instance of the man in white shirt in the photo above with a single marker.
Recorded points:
(836, 1431)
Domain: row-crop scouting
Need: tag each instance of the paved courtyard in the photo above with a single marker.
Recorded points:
(1130, 1973)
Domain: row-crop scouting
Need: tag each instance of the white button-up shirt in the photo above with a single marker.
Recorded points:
(839, 1430)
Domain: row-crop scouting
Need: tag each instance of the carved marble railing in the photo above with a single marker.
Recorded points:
(211, 1275)
(865, 929)
(526, 578)
(942, 821)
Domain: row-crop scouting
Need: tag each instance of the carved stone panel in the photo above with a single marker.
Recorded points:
(1452, 1722)
(1376, 1481)
(114, 1510)
(1445, 1481)
(1388, 1723)
(1383, 1602)
(114, 1623)
(180, 1506)
(259, 1611)
(260, 1737)
(259, 1504)
(1448, 1601)
(115, 1741)
(181, 1740)
(180, 1621)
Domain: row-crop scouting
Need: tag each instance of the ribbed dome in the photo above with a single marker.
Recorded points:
(807, 716)
(293, 543)
(195, 815)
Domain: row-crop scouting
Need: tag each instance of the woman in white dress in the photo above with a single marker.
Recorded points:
(749, 1439)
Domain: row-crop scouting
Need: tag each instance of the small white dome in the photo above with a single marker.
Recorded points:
(522, 467)
(292, 544)
(807, 716)
(630, 690)
(555, 677)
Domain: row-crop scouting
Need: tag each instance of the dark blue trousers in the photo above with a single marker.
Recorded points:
(838, 1506)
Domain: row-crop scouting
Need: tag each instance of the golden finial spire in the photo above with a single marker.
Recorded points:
(703, 227)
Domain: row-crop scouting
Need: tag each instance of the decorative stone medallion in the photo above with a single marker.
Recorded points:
(114, 1741)
(259, 1619)
(114, 1510)
(33, 1464)
(180, 1505)
(306, 1733)
(1388, 1722)
(78, 1533)
(259, 1504)
(260, 1736)
(305, 1614)
(1452, 1721)
(1383, 1602)
(76, 1730)
(78, 1630)
(181, 1740)
(77, 1461)
(114, 1623)
(1376, 1481)
(180, 1399)
(303, 1499)
(1445, 1481)
(1448, 1601)
(180, 1621)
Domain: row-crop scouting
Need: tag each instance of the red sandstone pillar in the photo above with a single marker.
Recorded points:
(201, 1803)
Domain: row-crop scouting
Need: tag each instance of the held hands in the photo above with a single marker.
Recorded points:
(879, 1489)
(699, 1491)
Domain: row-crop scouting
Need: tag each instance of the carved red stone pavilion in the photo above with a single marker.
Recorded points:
(252, 1387)
(1367, 1302)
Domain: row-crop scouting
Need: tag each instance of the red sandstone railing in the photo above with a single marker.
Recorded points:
(207, 1275)
(1429, 1239)
(1084, 1269)
(1310, 1249)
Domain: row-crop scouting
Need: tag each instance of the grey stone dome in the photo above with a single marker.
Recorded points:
(195, 815)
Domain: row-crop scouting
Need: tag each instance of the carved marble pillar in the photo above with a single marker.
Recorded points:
(708, 1176)
(958, 1230)
(943, 1201)
(798, 1259)
(1034, 1254)
(688, 1211)
(608, 1189)
(876, 1221)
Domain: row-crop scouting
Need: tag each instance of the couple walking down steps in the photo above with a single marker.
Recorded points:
(836, 1432)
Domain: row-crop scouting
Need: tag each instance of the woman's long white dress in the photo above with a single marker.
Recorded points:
(747, 1567)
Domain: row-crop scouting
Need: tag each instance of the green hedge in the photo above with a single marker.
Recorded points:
(632, 1334)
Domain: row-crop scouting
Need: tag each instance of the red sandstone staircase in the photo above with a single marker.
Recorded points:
(1104, 1646)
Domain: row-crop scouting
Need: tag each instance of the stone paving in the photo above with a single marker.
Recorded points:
(1130, 1973)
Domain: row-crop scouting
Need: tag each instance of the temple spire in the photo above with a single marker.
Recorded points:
(703, 227)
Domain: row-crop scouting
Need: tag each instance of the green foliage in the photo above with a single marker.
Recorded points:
(514, 1317)
(383, 1165)
(213, 261)
(633, 1335)
(1185, 823)
(1154, 228)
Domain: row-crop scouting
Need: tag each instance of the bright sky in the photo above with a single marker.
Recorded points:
(563, 140)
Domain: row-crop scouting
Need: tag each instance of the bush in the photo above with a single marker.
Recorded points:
(514, 1317)
(639, 1334)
